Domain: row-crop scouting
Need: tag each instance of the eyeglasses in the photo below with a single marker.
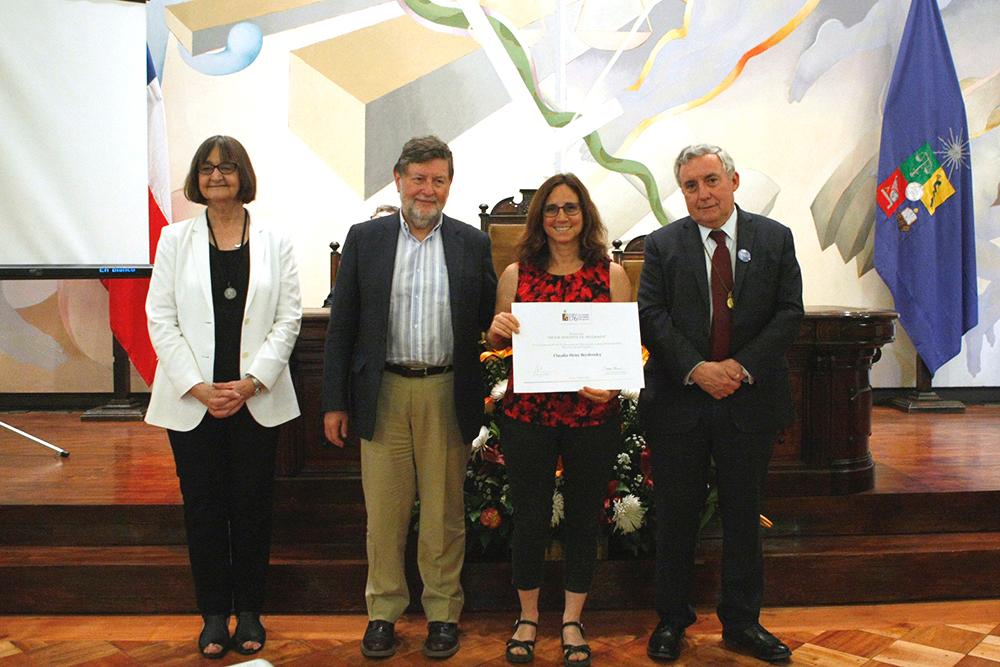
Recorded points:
(225, 168)
(569, 208)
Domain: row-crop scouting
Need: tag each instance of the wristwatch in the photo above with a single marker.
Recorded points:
(257, 386)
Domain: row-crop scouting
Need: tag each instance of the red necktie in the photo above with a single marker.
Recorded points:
(722, 289)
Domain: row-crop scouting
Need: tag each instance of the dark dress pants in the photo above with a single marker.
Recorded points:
(530, 453)
(226, 471)
(681, 464)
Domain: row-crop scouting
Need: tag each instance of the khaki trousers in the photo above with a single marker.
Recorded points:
(416, 452)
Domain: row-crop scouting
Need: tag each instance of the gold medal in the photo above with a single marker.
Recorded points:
(729, 300)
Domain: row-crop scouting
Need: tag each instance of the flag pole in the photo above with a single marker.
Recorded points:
(923, 398)
(122, 407)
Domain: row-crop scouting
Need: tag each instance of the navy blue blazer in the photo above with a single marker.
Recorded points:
(356, 338)
(675, 321)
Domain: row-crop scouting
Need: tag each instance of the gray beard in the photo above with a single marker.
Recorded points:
(414, 218)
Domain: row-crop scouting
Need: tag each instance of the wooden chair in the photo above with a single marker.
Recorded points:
(504, 225)
(631, 260)
(334, 267)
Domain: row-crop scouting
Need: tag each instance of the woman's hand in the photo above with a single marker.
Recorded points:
(598, 395)
(222, 398)
(502, 329)
(229, 397)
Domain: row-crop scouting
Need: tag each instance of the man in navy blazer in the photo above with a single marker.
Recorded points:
(719, 395)
(414, 293)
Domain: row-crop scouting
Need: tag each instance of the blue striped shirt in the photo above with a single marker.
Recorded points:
(419, 305)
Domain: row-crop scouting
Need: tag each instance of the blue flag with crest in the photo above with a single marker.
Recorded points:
(924, 229)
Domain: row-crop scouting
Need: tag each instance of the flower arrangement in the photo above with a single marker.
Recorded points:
(628, 514)
(487, 508)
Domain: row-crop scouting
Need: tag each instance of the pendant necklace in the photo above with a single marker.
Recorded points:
(730, 302)
(230, 291)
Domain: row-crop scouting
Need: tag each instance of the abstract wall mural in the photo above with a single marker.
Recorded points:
(324, 92)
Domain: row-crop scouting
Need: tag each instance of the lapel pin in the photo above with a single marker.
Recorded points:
(743, 255)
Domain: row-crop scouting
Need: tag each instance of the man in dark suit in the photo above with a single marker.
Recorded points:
(720, 301)
(414, 293)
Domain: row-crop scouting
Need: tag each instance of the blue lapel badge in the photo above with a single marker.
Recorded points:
(743, 255)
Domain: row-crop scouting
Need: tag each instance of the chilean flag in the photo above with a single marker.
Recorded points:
(127, 296)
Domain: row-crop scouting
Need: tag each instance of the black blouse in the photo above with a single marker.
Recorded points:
(230, 269)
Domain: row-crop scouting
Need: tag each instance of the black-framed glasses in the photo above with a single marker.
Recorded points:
(225, 168)
(569, 208)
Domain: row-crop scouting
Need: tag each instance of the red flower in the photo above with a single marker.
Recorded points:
(612, 488)
(490, 518)
(493, 455)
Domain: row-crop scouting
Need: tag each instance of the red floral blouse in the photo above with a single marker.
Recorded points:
(591, 283)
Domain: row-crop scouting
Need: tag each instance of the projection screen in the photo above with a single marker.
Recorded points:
(73, 164)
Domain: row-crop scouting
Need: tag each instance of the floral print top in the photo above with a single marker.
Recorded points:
(591, 283)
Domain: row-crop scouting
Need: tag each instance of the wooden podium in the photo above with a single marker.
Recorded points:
(824, 452)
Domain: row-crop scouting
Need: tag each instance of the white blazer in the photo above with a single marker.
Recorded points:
(182, 324)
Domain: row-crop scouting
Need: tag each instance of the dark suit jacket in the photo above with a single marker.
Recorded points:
(675, 323)
(356, 338)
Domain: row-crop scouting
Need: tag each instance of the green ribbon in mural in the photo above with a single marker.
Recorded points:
(452, 17)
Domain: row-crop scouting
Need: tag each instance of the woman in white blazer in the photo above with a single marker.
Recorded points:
(224, 313)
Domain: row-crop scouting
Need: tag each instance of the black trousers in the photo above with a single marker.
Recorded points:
(680, 474)
(530, 452)
(226, 471)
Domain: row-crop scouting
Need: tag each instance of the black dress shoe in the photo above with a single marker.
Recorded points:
(665, 642)
(379, 640)
(758, 642)
(442, 640)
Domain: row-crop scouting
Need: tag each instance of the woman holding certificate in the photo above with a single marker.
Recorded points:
(562, 257)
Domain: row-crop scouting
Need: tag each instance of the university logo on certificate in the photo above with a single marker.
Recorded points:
(568, 346)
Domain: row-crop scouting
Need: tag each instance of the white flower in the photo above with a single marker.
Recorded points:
(635, 439)
(558, 507)
(630, 393)
(624, 459)
(628, 514)
(498, 390)
(480, 440)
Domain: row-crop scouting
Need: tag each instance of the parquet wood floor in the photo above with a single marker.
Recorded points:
(946, 634)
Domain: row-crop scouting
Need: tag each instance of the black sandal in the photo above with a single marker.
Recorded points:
(248, 629)
(571, 649)
(528, 645)
(215, 631)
